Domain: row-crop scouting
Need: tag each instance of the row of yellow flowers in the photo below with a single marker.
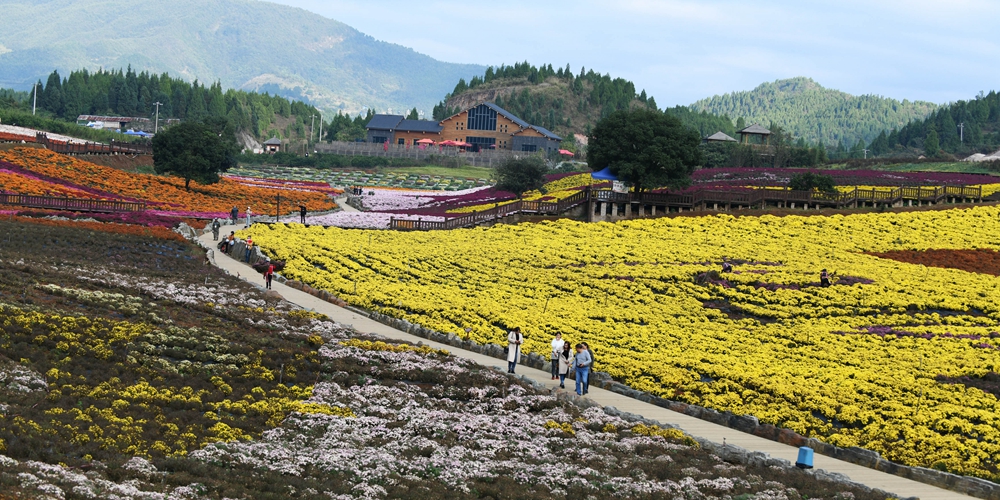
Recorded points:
(854, 364)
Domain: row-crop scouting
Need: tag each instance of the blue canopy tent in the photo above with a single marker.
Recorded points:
(604, 175)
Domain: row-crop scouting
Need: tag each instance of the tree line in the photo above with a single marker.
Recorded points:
(962, 128)
(128, 93)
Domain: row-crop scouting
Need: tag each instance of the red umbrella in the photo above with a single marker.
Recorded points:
(448, 143)
(425, 141)
(566, 152)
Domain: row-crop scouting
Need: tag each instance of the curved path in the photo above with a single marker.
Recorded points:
(899, 486)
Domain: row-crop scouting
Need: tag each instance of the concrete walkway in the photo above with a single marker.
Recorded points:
(696, 427)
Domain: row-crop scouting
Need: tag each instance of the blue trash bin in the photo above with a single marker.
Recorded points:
(805, 460)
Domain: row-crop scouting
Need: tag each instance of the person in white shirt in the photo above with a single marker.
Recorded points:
(249, 217)
(557, 347)
(514, 341)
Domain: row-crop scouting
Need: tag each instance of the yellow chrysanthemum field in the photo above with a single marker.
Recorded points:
(870, 361)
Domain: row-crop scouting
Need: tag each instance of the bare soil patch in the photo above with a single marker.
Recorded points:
(983, 261)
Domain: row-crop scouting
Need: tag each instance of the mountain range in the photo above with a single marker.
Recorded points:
(244, 44)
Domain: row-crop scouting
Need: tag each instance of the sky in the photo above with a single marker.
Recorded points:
(680, 51)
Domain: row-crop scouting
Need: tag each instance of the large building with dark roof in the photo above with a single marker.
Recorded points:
(485, 126)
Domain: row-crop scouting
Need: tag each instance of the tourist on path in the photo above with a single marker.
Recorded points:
(514, 340)
(249, 217)
(235, 213)
(557, 347)
(565, 363)
(249, 250)
(593, 360)
(824, 278)
(269, 275)
(216, 226)
(230, 242)
(302, 214)
(582, 363)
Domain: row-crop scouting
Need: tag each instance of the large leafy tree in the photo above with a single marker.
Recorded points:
(647, 148)
(195, 151)
(519, 175)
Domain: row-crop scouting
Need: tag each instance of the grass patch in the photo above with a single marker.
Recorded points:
(464, 171)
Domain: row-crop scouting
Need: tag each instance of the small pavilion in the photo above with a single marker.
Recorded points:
(755, 135)
(272, 145)
(720, 137)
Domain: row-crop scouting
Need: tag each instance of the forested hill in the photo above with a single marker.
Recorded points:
(962, 129)
(807, 110)
(127, 93)
(562, 100)
(244, 44)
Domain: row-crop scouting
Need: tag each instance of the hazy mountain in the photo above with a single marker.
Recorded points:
(245, 44)
(808, 110)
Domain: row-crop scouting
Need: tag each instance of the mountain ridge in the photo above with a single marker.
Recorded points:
(244, 44)
(817, 114)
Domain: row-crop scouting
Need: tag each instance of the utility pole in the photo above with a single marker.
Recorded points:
(320, 128)
(34, 102)
(866, 153)
(961, 132)
(156, 126)
(312, 127)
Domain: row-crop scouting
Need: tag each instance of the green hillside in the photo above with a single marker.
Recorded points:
(979, 133)
(243, 44)
(560, 100)
(807, 110)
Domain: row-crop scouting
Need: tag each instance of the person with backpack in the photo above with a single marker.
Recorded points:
(302, 214)
(269, 275)
(216, 226)
(235, 213)
(557, 347)
(514, 341)
(581, 362)
(565, 363)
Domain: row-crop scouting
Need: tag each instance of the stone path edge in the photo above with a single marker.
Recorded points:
(972, 486)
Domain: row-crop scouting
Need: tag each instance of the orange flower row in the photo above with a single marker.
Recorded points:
(152, 231)
(163, 192)
(23, 185)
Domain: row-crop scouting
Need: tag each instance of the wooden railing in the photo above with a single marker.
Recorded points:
(492, 214)
(70, 204)
(702, 197)
(115, 147)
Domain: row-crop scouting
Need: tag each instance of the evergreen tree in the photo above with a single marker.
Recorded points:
(413, 115)
(932, 144)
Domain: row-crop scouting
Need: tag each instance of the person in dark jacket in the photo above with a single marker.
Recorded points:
(302, 214)
(235, 214)
(216, 226)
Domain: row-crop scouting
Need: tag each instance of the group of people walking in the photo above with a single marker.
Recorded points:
(357, 190)
(566, 359)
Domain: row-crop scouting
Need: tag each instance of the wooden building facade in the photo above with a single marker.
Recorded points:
(485, 126)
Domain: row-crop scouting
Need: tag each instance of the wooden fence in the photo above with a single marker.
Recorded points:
(702, 198)
(115, 147)
(71, 204)
(498, 212)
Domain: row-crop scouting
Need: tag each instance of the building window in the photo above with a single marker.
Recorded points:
(482, 117)
(401, 141)
(377, 139)
(479, 143)
(531, 148)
